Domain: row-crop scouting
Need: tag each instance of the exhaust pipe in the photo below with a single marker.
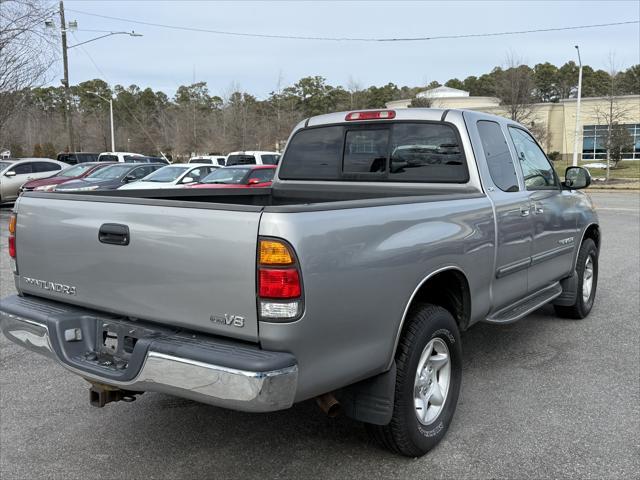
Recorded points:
(329, 405)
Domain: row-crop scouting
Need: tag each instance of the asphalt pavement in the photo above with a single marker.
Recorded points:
(542, 398)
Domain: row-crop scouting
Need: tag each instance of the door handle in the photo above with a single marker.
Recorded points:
(538, 208)
(114, 234)
(525, 210)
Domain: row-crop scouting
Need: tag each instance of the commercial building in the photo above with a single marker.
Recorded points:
(556, 121)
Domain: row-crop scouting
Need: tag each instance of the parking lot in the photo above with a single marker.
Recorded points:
(543, 397)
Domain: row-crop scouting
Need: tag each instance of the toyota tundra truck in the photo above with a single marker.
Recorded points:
(384, 235)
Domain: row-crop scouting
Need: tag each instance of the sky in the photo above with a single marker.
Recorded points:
(164, 59)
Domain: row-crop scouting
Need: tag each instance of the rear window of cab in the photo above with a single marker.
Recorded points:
(426, 152)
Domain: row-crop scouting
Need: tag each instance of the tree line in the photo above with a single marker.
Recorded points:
(195, 120)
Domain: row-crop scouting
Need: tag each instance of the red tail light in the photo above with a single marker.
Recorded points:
(12, 246)
(279, 283)
(371, 115)
(13, 219)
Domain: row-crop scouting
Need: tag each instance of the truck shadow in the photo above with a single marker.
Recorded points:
(303, 435)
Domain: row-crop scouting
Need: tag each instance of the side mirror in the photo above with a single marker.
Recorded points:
(187, 180)
(10, 173)
(254, 181)
(576, 178)
(129, 179)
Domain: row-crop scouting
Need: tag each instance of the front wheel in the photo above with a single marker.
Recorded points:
(429, 374)
(587, 272)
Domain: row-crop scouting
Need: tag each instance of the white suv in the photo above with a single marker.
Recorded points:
(209, 159)
(253, 157)
(116, 156)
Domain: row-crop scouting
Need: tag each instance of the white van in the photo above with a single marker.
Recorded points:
(253, 157)
(218, 160)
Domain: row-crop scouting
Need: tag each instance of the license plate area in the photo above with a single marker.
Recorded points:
(116, 342)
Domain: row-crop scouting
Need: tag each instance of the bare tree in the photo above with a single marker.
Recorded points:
(612, 114)
(26, 51)
(515, 88)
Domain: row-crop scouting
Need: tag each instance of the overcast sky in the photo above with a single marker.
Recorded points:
(164, 59)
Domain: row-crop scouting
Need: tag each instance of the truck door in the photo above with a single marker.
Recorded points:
(553, 213)
(512, 209)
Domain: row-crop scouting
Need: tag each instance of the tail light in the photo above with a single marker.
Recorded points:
(12, 242)
(371, 115)
(279, 281)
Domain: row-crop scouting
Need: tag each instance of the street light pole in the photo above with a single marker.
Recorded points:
(113, 141)
(577, 132)
(110, 100)
(65, 81)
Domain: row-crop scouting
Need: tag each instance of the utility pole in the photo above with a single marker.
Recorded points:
(68, 117)
(577, 132)
(65, 81)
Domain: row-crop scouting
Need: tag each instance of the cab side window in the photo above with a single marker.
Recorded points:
(499, 160)
(537, 170)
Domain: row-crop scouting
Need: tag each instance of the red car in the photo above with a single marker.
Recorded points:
(239, 176)
(74, 172)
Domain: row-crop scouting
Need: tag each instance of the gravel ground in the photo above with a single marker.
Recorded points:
(542, 398)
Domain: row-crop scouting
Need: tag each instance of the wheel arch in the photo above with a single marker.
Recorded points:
(447, 287)
(591, 231)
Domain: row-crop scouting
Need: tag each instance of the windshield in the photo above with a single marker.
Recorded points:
(74, 171)
(166, 174)
(227, 175)
(110, 173)
(4, 165)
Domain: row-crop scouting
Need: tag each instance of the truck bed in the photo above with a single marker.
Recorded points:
(283, 198)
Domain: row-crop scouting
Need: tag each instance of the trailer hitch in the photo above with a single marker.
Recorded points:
(101, 394)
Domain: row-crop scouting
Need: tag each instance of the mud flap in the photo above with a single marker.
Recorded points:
(569, 291)
(371, 400)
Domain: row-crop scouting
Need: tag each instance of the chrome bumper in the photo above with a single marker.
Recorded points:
(215, 384)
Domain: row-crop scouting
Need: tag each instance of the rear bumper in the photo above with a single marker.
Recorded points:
(199, 367)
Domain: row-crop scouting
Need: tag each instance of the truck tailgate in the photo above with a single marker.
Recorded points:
(182, 266)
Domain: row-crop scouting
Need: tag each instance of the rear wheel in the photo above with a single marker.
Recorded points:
(587, 272)
(429, 374)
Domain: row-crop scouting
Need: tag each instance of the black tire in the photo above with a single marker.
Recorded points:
(405, 434)
(581, 308)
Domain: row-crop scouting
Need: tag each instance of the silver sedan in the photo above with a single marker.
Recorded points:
(15, 172)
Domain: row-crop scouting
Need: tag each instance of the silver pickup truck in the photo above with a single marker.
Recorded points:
(385, 234)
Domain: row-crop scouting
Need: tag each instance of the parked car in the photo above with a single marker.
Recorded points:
(73, 158)
(348, 281)
(242, 176)
(69, 174)
(110, 178)
(252, 157)
(117, 156)
(14, 173)
(172, 176)
(218, 160)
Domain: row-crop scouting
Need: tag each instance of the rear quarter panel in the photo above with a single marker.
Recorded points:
(360, 267)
